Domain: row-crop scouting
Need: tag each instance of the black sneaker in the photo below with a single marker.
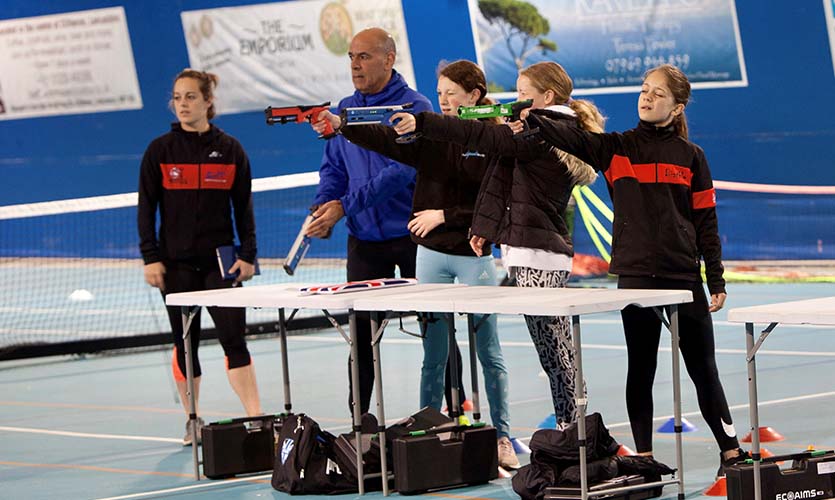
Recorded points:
(727, 462)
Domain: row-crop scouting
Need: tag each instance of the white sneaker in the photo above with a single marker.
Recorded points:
(187, 438)
(507, 456)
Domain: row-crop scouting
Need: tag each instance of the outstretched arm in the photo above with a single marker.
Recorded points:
(474, 134)
(595, 149)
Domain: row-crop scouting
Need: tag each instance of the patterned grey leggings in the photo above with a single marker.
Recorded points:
(551, 336)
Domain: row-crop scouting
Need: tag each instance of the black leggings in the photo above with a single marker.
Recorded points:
(230, 323)
(642, 329)
(371, 260)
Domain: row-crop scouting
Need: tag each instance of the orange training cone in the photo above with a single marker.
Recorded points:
(625, 451)
(766, 434)
(718, 489)
(764, 453)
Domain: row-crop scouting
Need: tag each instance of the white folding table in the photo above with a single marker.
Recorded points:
(287, 296)
(572, 302)
(801, 312)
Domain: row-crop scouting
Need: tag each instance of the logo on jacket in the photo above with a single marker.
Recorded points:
(286, 448)
(175, 174)
(216, 176)
(215, 154)
(476, 154)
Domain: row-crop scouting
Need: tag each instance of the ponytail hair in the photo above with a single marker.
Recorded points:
(588, 116)
(548, 75)
(207, 82)
(680, 88)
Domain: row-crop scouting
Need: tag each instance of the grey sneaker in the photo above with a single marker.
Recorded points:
(507, 456)
(187, 438)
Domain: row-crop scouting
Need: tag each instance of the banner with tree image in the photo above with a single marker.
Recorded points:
(607, 45)
(287, 53)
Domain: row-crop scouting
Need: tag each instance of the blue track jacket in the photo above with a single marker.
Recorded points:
(376, 192)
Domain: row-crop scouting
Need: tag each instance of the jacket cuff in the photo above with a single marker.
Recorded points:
(715, 288)
(150, 258)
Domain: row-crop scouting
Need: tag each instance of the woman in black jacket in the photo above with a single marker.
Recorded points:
(665, 224)
(522, 204)
(198, 178)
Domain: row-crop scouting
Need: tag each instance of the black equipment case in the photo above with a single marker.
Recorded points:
(811, 476)
(572, 493)
(239, 446)
(445, 456)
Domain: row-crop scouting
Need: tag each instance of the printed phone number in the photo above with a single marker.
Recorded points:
(631, 65)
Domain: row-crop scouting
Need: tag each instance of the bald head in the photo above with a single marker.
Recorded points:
(379, 38)
(372, 55)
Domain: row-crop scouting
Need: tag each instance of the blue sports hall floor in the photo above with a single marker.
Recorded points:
(108, 426)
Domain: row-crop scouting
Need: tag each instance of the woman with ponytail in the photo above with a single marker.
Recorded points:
(665, 224)
(522, 204)
(447, 184)
(198, 179)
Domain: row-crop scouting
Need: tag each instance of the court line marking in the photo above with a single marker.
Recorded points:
(144, 409)
(264, 476)
(96, 468)
(29, 430)
(609, 347)
(180, 489)
(697, 413)
(805, 397)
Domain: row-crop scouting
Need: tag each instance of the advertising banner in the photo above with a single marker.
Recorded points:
(287, 53)
(606, 45)
(70, 63)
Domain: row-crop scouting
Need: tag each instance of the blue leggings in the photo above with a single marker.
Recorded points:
(437, 267)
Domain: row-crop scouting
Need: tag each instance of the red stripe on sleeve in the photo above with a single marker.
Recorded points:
(619, 167)
(704, 199)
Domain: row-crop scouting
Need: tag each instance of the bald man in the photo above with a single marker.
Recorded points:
(373, 193)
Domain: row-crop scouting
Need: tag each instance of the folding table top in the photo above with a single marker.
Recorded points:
(819, 311)
(287, 295)
(518, 300)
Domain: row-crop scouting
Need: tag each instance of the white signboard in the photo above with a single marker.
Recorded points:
(287, 53)
(76, 62)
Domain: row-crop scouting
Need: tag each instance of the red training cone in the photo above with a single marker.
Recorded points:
(764, 453)
(718, 489)
(467, 405)
(766, 434)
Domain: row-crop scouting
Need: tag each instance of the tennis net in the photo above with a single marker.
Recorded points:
(72, 274)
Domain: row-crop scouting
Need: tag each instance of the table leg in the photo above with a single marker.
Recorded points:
(355, 398)
(471, 327)
(188, 313)
(579, 391)
(285, 369)
(677, 398)
(455, 411)
(378, 389)
(752, 404)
